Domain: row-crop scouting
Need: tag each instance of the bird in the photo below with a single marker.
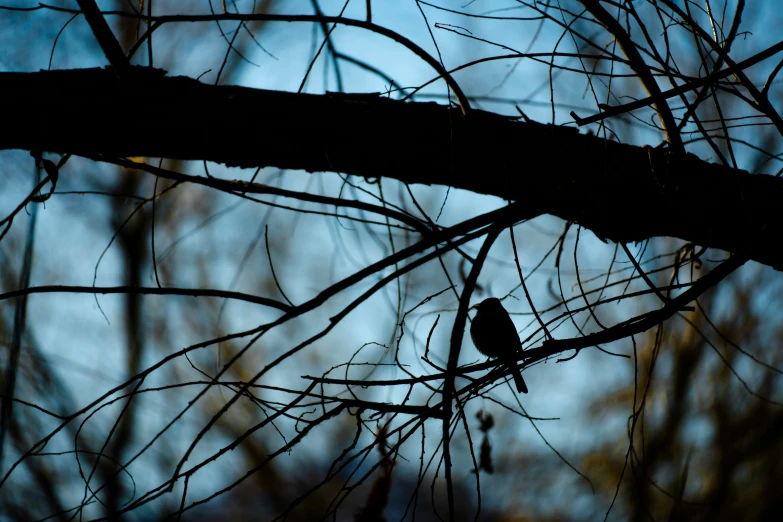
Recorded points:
(494, 334)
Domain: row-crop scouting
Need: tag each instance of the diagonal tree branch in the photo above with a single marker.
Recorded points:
(640, 68)
(620, 192)
(106, 39)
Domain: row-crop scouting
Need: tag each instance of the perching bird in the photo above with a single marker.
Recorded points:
(494, 334)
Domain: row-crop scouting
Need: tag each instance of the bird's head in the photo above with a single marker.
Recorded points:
(490, 306)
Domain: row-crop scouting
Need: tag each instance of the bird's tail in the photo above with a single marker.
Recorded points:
(519, 381)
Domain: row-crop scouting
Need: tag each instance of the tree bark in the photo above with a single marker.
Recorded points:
(621, 192)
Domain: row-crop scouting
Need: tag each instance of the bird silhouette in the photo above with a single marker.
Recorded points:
(494, 334)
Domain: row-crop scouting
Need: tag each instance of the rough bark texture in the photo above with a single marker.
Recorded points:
(620, 192)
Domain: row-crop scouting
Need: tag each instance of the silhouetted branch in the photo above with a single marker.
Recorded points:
(620, 192)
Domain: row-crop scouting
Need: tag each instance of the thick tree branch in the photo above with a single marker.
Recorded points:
(620, 192)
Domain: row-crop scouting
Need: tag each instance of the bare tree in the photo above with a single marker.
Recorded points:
(239, 283)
